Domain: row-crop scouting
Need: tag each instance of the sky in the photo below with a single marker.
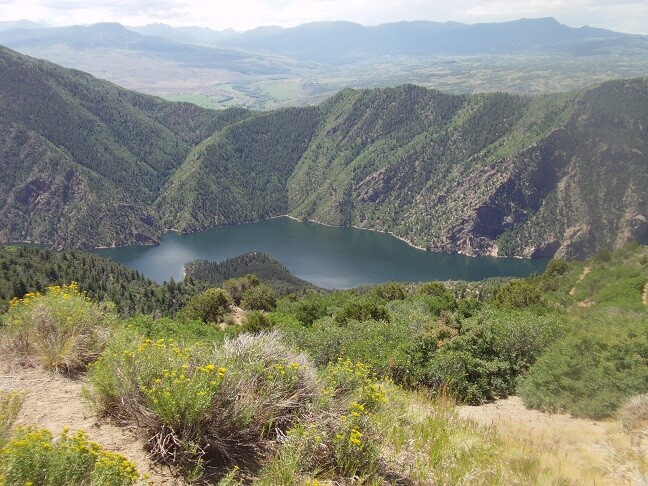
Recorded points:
(629, 16)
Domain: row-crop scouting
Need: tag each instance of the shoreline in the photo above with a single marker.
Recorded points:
(174, 230)
(409, 243)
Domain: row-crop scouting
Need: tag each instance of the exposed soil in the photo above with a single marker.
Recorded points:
(644, 296)
(53, 402)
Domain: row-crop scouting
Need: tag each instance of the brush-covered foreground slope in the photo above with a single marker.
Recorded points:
(86, 163)
(480, 174)
(81, 159)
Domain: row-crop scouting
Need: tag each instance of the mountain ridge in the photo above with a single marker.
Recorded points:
(90, 164)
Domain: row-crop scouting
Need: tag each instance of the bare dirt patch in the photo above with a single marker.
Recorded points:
(583, 451)
(54, 402)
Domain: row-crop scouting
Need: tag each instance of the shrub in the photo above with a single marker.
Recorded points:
(436, 289)
(187, 330)
(209, 306)
(389, 291)
(310, 309)
(34, 457)
(592, 371)
(340, 438)
(556, 268)
(10, 405)
(61, 329)
(237, 287)
(256, 321)
(259, 297)
(440, 303)
(196, 404)
(485, 360)
(602, 256)
(362, 310)
(518, 294)
(468, 306)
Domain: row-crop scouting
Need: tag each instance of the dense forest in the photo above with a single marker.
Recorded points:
(29, 269)
(88, 164)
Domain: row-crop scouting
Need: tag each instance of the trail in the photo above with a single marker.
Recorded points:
(586, 270)
(54, 402)
(644, 296)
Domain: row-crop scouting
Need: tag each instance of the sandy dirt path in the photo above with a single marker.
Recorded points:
(54, 402)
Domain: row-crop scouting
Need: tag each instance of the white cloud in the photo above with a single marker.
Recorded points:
(622, 15)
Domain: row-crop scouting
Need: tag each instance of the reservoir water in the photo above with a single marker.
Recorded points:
(329, 257)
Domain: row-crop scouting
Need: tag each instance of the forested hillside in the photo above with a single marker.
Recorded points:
(86, 163)
(26, 270)
(268, 269)
(82, 159)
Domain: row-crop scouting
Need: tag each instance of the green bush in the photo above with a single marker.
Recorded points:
(518, 294)
(209, 306)
(389, 291)
(185, 330)
(362, 310)
(237, 287)
(310, 309)
(591, 372)
(440, 303)
(61, 329)
(485, 360)
(556, 268)
(436, 289)
(468, 306)
(259, 297)
(34, 457)
(256, 321)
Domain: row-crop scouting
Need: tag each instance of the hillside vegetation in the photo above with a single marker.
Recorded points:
(348, 386)
(268, 269)
(89, 164)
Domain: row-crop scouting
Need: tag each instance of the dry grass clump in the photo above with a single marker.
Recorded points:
(60, 330)
(634, 414)
(199, 406)
(10, 405)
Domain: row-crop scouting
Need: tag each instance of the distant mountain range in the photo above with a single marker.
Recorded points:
(114, 36)
(334, 42)
(344, 42)
(86, 163)
(271, 67)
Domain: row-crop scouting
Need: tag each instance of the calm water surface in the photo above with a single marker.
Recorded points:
(328, 257)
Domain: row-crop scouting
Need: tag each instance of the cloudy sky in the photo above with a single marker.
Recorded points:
(621, 15)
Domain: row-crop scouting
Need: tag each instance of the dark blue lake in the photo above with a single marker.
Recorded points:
(326, 256)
